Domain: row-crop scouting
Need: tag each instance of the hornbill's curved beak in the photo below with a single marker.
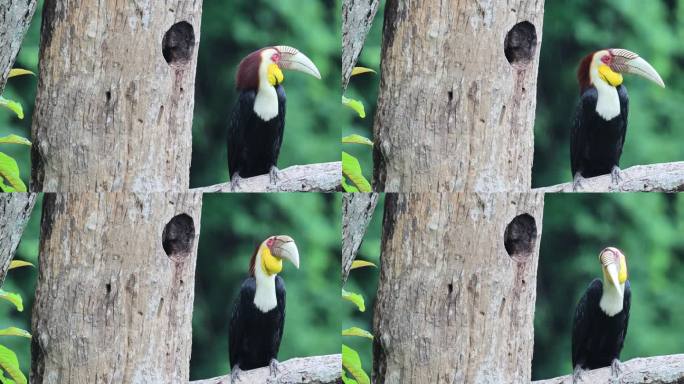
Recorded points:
(629, 62)
(610, 261)
(291, 58)
(285, 248)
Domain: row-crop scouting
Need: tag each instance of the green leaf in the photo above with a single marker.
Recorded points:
(345, 379)
(352, 363)
(19, 72)
(14, 139)
(13, 298)
(14, 331)
(22, 263)
(359, 264)
(348, 188)
(351, 169)
(10, 364)
(354, 298)
(13, 106)
(356, 139)
(355, 331)
(360, 70)
(355, 105)
(9, 170)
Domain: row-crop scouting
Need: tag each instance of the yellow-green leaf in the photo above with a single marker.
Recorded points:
(13, 298)
(360, 70)
(355, 105)
(10, 364)
(14, 331)
(20, 263)
(354, 298)
(347, 188)
(14, 139)
(361, 263)
(13, 106)
(356, 139)
(351, 169)
(9, 170)
(352, 363)
(347, 380)
(355, 331)
(19, 72)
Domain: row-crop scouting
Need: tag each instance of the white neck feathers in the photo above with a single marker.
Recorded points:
(611, 300)
(266, 101)
(608, 103)
(265, 296)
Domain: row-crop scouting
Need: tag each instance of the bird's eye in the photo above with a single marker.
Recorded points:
(275, 58)
(605, 59)
(269, 242)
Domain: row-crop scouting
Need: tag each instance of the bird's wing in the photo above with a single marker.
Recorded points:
(237, 130)
(582, 322)
(625, 308)
(280, 296)
(578, 135)
(237, 319)
(624, 109)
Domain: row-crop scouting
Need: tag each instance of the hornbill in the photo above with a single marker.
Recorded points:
(601, 115)
(258, 318)
(258, 120)
(600, 323)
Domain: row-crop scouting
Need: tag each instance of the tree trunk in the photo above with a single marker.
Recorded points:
(452, 305)
(15, 212)
(115, 96)
(357, 19)
(357, 212)
(15, 19)
(457, 96)
(115, 288)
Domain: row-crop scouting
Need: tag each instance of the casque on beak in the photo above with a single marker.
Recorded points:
(625, 61)
(285, 248)
(291, 58)
(610, 260)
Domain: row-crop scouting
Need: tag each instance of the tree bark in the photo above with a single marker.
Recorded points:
(457, 96)
(306, 370)
(15, 212)
(15, 19)
(456, 295)
(115, 288)
(357, 19)
(655, 370)
(115, 96)
(357, 212)
(663, 177)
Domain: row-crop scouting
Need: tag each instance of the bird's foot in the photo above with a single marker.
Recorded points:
(577, 375)
(616, 175)
(274, 175)
(615, 368)
(273, 367)
(577, 182)
(235, 182)
(235, 374)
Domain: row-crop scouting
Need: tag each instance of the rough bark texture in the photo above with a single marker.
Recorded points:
(452, 305)
(15, 18)
(15, 212)
(357, 212)
(453, 113)
(111, 113)
(357, 19)
(306, 370)
(111, 306)
(323, 177)
(664, 177)
(654, 370)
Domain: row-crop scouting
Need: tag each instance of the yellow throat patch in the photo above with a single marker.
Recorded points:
(275, 75)
(622, 274)
(269, 263)
(608, 75)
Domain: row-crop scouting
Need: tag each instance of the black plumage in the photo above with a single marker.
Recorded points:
(254, 144)
(596, 144)
(597, 338)
(254, 336)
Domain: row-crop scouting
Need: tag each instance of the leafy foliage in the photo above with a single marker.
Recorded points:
(354, 298)
(9, 364)
(351, 170)
(9, 170)
(352, 363)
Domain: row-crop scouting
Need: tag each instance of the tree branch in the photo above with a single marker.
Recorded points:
(323, 177)
(357, 19)
(663, 177)
(358, 211)
(15, 18)
(15, 211)
(306, 370)
(655, 370)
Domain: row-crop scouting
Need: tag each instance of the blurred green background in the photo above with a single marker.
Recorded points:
(648, 228)
(365, 282)
(232, 226)
(573, 29)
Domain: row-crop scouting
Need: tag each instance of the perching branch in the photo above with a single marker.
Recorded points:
(323, 177)
(663, 177)
(15, 18)
(357, 19)
(357, 212)
(15, 211)
(654, 370)
(306, 370)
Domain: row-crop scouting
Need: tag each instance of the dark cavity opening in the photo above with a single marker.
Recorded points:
(178, 236)
(178, 44)
(521, 43)
(520, 236)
